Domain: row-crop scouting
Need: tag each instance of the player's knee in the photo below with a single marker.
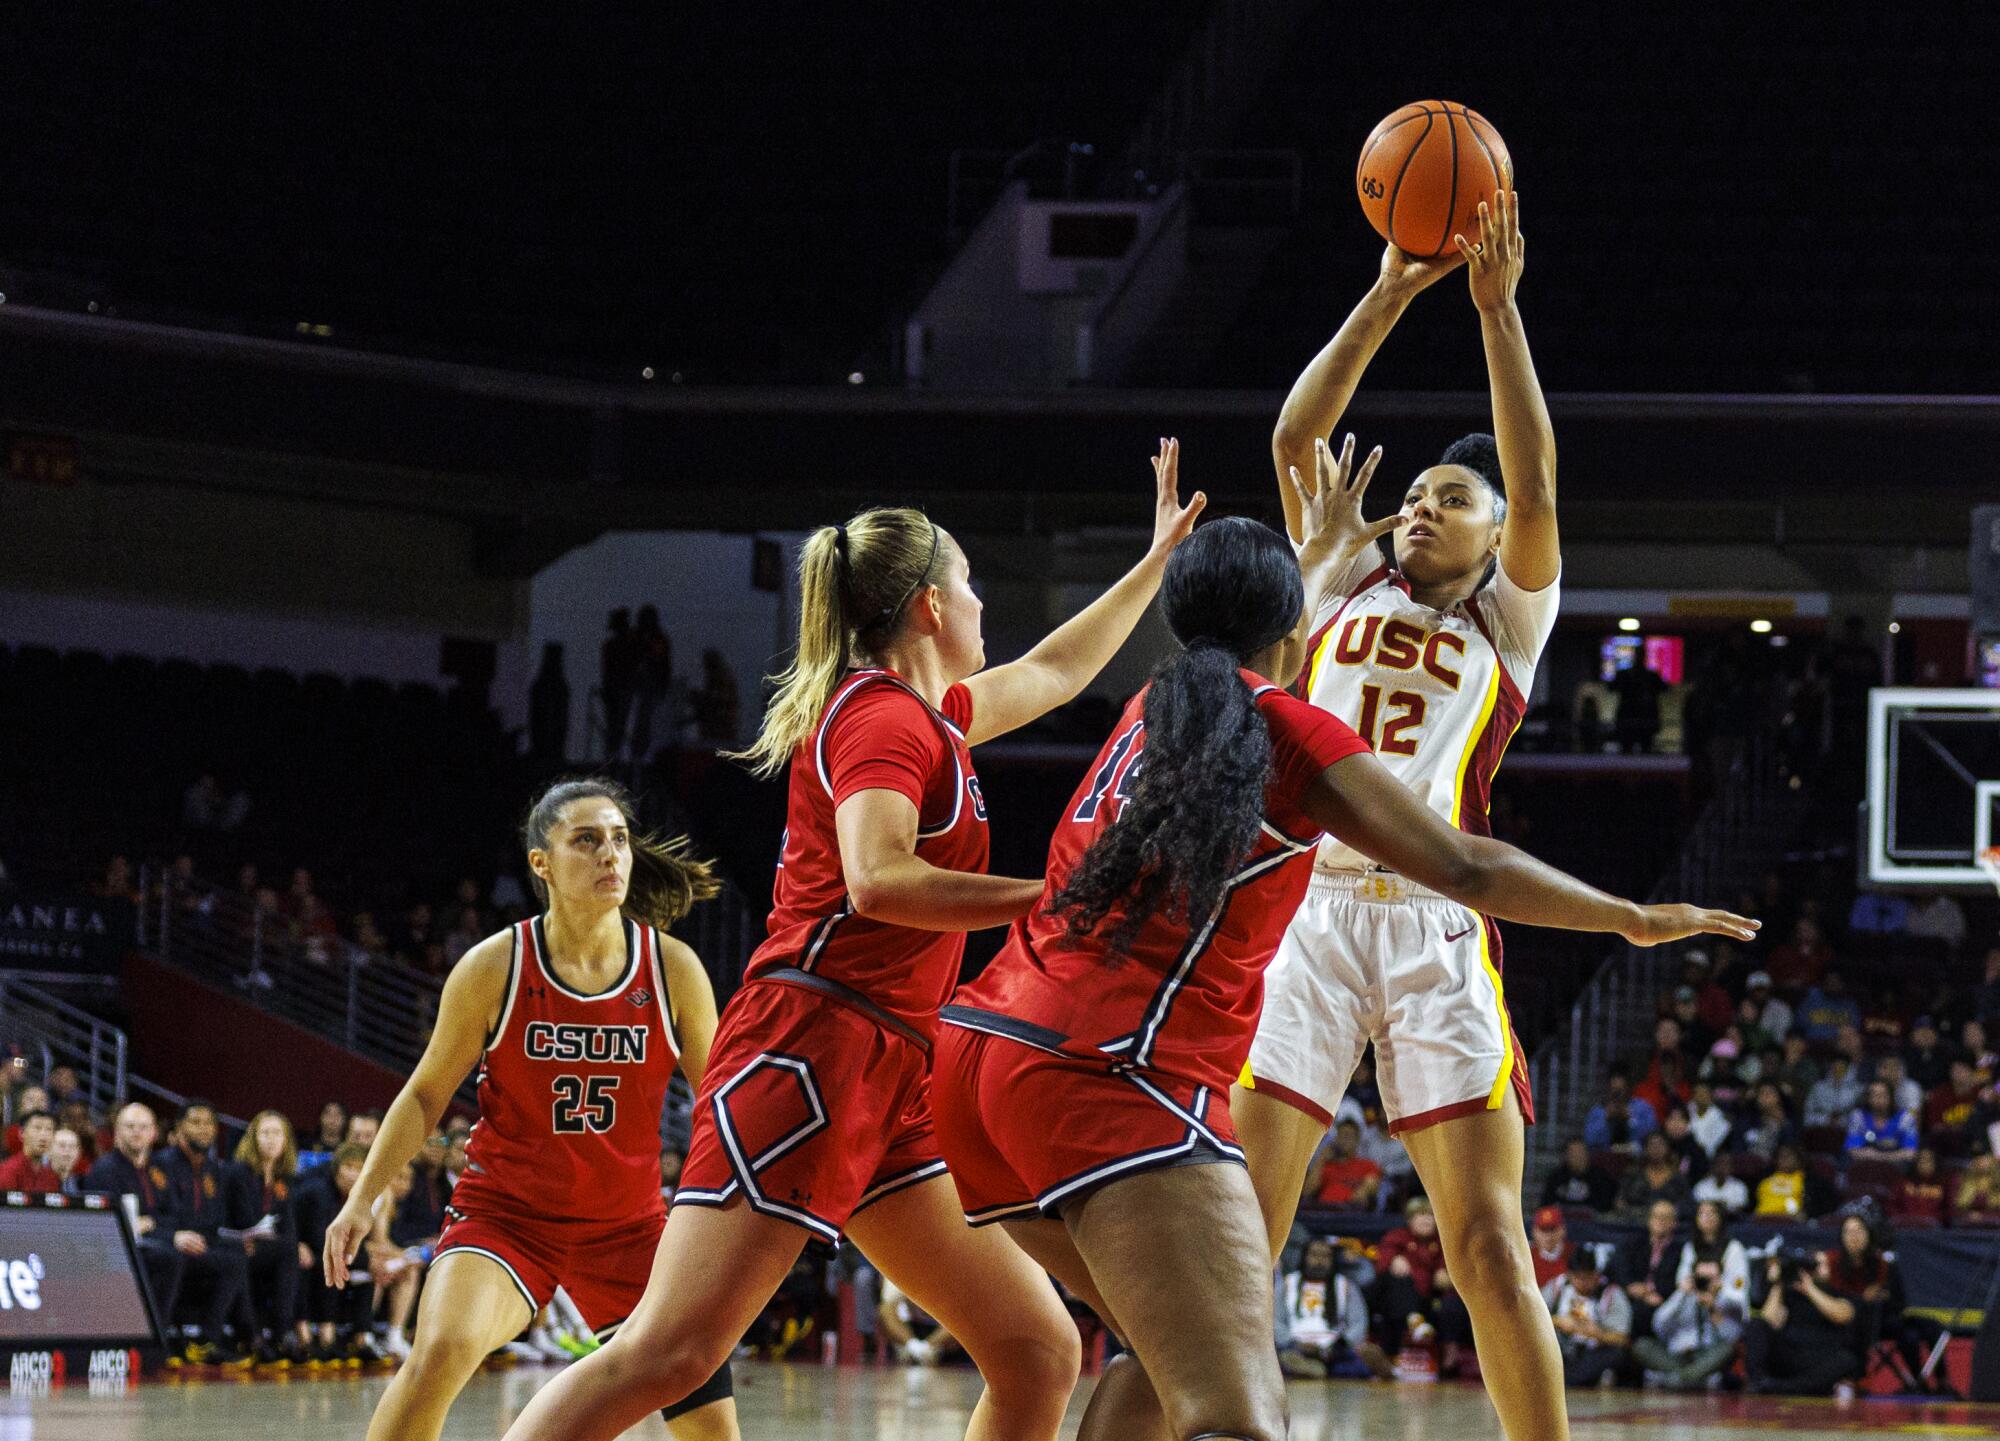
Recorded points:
(1048, 1361)
(672, 1366)
(1491, 1257)
(441, 1355)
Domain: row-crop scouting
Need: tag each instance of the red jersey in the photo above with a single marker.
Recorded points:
(571, 1089)
(1185, 1000)
(875, 734)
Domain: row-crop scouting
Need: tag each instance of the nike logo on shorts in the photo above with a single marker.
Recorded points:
(1461, 935)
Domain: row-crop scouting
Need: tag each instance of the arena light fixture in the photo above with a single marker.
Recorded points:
(1629, 624)
(1760, 627)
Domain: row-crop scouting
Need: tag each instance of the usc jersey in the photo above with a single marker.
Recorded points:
(571, 1088)
(1437, 695)
(1185, 999)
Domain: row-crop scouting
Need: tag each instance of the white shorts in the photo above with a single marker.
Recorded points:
(1416, 974)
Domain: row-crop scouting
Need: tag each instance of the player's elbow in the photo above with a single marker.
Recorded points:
(1291, 442)
(1467, 871)
(870, 892)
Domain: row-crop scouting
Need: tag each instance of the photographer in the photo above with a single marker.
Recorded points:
(1713, 1256)
(1865, 1274)
(1800, 1342)
(1695, 1330)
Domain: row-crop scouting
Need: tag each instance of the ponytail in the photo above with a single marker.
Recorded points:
(1196, 805)
(1197, 792)
(805, 686)
(855, 583)
(667, 878)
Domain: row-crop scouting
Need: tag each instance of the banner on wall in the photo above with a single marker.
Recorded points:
(64, 931)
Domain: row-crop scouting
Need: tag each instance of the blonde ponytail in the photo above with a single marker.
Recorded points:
(855, 583)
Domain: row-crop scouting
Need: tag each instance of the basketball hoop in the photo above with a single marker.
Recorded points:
(1989, 862)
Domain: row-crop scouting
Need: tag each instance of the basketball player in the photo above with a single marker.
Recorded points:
(1081, 1079)
(576, 1020)
(815, 1119)
(1430, 658)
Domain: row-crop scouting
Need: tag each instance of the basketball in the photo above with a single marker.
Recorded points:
(1424, 171)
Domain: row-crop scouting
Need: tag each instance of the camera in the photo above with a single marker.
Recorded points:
(1793, 1263)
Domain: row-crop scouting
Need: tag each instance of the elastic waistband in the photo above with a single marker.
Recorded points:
(848, 996)
(993, 1023)
(1372, 886)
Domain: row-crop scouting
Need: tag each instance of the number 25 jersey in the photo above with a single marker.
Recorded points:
(570, 1091)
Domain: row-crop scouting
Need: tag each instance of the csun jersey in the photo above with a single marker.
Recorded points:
(571, 1088)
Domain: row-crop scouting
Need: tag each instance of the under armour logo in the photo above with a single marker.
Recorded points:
(535, 993)
(801, 1198)
(640, 996)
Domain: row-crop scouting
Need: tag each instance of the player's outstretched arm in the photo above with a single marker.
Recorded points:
(1530, 549)
(1331, 532)
(473, 994)
(887, 880)
(1069, 658)
(1358, 800)
(1320, 395)
(692, 999)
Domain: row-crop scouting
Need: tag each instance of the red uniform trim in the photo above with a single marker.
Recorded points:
(1476, 793)
(1267, 1087)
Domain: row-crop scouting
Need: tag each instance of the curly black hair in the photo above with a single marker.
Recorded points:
(1197, 797)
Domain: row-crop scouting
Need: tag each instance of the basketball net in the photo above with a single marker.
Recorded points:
(1989, 861)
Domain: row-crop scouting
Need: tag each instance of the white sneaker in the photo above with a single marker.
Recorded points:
(397, 1345)
(1844, 1392)
(917, 1351)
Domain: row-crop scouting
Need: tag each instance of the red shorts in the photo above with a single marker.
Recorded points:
(811, 1108)
(602, 1266)
(1027, 1128)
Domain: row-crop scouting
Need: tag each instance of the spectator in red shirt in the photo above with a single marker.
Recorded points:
(1797, 965)
(1552, 1245)
(1343, 1177)
(1713, 1004)
(1410, 1273)
(1919, 1196)
(1951, 1115)
(1666, 1082)
(30, 1171)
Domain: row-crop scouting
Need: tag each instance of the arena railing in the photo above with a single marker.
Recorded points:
(371, 1005)
(1568, 1067)
(63, 1035)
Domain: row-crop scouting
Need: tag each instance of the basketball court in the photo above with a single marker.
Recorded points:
(812, 1403)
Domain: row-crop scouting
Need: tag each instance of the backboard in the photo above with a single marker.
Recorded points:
(1933, 786)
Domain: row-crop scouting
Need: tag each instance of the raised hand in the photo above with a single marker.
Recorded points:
(1330, 509)
(1493, 266)
(1172, 521)
(1405, 275)
(1658, 924)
